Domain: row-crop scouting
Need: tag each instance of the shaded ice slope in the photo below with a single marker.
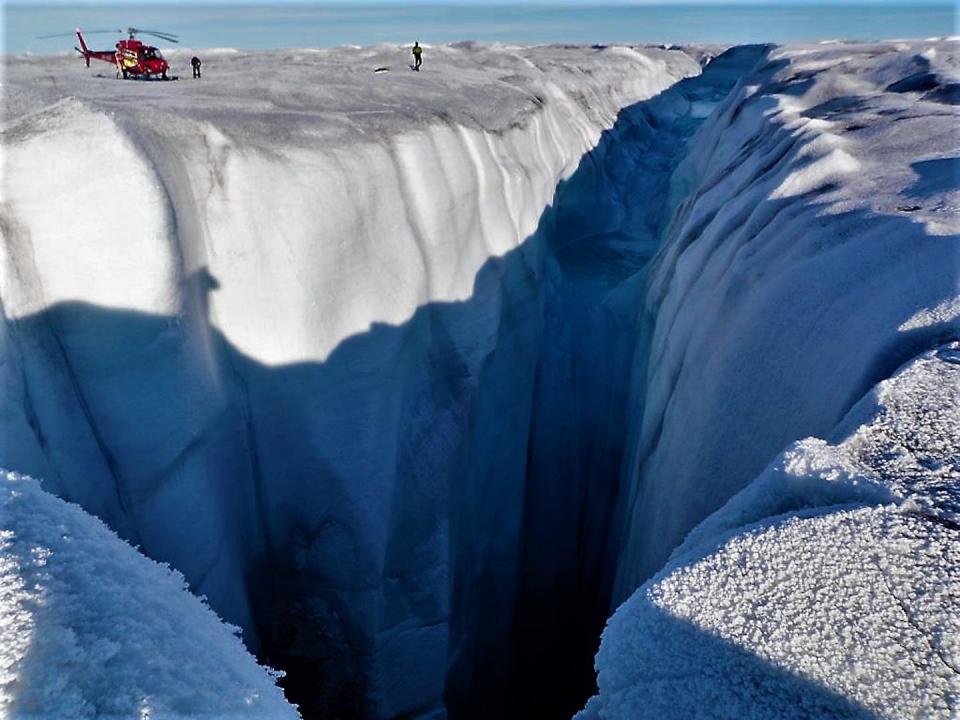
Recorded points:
(246, 351)
(89, 628)
(828, 587)
(814, 250)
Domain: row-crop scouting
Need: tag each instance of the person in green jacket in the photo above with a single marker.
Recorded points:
(417, 60)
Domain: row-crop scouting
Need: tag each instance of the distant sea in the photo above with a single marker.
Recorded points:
(292, 24)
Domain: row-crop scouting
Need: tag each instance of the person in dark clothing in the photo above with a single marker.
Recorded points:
(417, 52)
(195, 61)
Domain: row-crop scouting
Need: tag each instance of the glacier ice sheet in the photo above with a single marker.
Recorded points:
(798, 258)
(329, 341)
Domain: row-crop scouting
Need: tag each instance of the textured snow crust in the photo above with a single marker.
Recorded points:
(90, 628)
(828, 587)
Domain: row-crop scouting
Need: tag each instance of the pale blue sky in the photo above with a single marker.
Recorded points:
(585, 3)
(264, 24)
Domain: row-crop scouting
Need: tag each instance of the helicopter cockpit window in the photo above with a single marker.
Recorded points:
(149, 53)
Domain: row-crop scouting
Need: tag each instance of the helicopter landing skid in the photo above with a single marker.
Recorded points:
(149, 78)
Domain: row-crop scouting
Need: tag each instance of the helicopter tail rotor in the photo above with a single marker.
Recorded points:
(85, 51)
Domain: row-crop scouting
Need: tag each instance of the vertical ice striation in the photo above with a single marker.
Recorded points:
(295, 355)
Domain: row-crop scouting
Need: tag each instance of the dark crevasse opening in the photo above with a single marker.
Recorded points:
(487, 435)
(532, 514)
(606, 223)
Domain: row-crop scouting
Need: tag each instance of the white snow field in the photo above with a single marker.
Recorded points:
(418, 376)
(90, 628)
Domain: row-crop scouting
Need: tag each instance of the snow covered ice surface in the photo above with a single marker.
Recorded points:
(418, 375)
(90, 628)
(829, 587)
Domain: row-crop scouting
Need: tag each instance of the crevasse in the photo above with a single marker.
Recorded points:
(304, 372)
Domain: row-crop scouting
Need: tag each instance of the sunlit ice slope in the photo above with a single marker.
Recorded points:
(280, 326)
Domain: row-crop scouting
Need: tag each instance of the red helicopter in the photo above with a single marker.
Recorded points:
(132, 58)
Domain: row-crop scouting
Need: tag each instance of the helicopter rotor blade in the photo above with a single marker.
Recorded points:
(73, 34)
(169, 37)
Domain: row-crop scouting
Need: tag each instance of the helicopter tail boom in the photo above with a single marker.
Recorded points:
(109, 56)
(85, 51)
